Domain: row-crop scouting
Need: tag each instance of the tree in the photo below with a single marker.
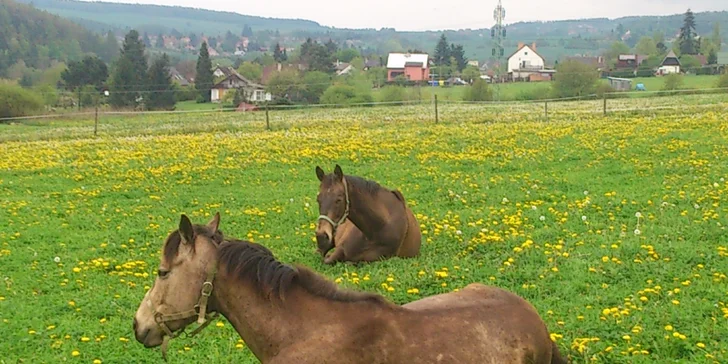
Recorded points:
(331, 47)
(458, 54)
(247, 31)
(686, 40)
(285, 85)
(646, 46)
(716, 38)
(317, 56)
(129, 78)
(203, 75)
(278, 54)
(442, 52)
(161, 95)
(574, 78)
(673, 81)
(470, 73)
(91, 70)
(315, 84)
(251, 71)
(147, 41)
(347, 55)
(160, 41)
(713, 57)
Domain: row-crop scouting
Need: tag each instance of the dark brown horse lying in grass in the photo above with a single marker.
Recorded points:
(292, 315)
(383, 225)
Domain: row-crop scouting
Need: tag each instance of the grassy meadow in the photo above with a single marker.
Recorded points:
(614, 227)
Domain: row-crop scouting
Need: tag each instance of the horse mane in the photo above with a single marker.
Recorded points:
(254, 262)
(171, 246)
(362, 184)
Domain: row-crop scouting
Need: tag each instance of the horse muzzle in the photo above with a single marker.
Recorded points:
(324, 243)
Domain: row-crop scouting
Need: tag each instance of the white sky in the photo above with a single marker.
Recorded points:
(438, 14)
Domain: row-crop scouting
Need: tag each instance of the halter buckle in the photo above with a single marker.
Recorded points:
(207, 289)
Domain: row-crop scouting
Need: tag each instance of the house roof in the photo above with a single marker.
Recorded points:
(235, 74)
(401, 60)
(529, 47)
(702, 59)
(670, 59)
(178, 76)
(342, 66)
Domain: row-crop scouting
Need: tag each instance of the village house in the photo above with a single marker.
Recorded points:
(630, 61)
(596, 62)
(343, 68)
(527, 65)
(177, 77)
(413, 66)
(671, 64)
(232, 81)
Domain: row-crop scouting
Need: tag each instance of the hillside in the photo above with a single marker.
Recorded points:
(32, 38)
(555, 39)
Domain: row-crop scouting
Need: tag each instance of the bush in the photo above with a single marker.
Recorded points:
(185, 93)
(394, 94)
(673, 81)
(723, 81)
(345, 95)
(478, 91)
(604, 88)
(16, 101)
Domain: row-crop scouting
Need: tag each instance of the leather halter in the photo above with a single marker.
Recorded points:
(336, 224)
(199, 310)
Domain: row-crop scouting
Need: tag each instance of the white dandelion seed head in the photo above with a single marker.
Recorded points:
(459, 232)
(696, 206)
(446, 226)
(637, 231)
(586, 193)
(291, 200)
(534, 208)
(583, 218)
(505, 200)
(542, 218)
(57, 259)
(638, 215)
(306, 204)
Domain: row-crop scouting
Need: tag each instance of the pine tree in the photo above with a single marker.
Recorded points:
(129, 79)
(458, 53)
(204, 77)
(442, 52)
(277, 54)
(160, 41)
(687, 35)
(162, 95)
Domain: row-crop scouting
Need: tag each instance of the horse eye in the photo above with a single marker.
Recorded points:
(162, 273)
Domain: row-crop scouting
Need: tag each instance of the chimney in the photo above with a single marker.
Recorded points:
(520, 45)
(533, 46)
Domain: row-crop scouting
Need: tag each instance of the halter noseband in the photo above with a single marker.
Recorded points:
(334, 224)
(199, 310)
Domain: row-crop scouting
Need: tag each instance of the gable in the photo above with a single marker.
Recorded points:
(526, 49)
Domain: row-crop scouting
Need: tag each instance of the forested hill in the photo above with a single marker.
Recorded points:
(33, 38)
(162, 19)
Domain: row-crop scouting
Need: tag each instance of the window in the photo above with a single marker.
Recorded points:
(526, 53)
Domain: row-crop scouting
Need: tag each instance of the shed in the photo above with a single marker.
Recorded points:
(620, 84)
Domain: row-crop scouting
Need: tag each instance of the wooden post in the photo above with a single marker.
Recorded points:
(437, 116)
(96, 119)
(546, 109)
(267, 119)
(605, 104)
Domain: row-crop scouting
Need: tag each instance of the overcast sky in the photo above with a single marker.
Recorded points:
(439, 14)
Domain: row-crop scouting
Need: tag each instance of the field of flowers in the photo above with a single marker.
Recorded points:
(614, 228)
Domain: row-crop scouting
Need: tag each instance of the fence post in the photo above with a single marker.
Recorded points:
(96, 118)
(605, 104)
(437, 116)
(546, 109)
(267, 119)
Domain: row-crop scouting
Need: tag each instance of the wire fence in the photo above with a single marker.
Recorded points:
(107, 122)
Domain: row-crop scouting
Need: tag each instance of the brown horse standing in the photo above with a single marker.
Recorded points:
(383, 225)
(292, 315)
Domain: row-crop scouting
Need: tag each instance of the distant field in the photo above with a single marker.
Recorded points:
(614, 227)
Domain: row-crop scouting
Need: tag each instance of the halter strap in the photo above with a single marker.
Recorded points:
(199, 310)
(333, 223)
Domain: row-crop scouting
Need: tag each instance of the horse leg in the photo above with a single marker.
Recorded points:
(337, 256)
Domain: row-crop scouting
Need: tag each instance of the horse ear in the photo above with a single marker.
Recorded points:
(185, 230)
(338, 172)
(214, 223)
(320, 173)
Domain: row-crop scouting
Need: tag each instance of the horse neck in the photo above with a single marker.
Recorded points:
(267, 326)
(368, 213)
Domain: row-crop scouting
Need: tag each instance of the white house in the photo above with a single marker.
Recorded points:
(254, 92)
(671, 64)
(525, 61)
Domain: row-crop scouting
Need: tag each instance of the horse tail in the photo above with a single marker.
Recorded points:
(556, 357)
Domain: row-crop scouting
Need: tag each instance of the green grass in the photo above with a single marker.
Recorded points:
(547, 210)
(194, 105)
